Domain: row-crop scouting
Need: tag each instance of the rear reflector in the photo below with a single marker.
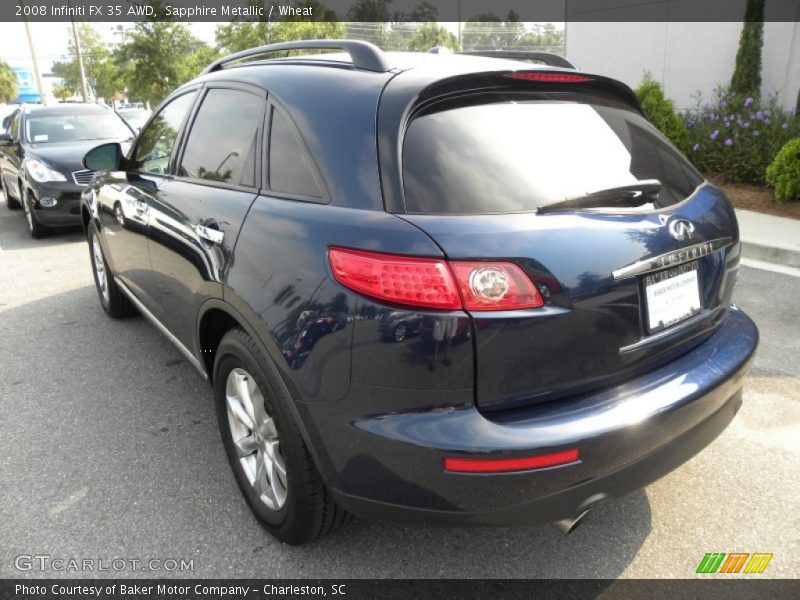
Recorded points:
(509, 465)
(553, 77)
(433, 282)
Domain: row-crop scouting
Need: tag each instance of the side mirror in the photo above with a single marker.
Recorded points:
(107, 157)
(6, 139)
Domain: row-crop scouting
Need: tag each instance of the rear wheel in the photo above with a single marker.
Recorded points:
(270, 460)
(36, 229)
(11, 203)
(113, 301)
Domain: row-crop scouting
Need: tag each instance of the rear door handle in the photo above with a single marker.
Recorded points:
(215, 236)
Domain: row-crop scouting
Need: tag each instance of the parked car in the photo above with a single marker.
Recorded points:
(135, 117)
(40, 159)
(530, 211)
(396, 326)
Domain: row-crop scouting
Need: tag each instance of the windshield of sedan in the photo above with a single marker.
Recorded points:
(50, 129)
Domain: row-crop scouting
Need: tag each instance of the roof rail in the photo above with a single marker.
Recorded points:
(365, 55)
(548, 58)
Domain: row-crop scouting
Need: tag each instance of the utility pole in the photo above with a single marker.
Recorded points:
(460, 47)
(33, 59)
(84, 88)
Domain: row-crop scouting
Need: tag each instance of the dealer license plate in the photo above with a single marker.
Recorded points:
(671, 296)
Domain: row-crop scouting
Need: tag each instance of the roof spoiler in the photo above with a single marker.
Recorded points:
(547, 58)
(365, 56)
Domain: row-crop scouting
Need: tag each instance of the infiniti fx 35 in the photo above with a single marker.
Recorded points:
(562, 273)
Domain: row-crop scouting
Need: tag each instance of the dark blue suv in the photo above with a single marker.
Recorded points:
(562, 275)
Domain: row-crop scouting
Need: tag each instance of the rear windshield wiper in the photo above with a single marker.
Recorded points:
(628, 196)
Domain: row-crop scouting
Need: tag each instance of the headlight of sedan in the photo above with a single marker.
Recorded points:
(41, 172)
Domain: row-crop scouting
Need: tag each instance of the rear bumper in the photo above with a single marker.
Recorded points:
(388, 465)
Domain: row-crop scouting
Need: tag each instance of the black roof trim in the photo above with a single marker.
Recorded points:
(365, 56)
(548, 58)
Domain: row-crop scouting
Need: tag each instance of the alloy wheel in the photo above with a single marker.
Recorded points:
(100, 268)
(255, 439)
(400, 332)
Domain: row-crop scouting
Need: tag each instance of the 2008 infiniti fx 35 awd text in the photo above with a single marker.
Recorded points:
(435, 288)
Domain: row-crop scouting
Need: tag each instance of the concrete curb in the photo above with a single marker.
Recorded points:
(773, 253)
(769, 239)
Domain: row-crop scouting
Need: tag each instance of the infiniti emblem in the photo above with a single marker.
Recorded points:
(681, 229)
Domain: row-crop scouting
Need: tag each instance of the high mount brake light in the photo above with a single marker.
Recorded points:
(509, 465)
(551, 77)
(434, 283)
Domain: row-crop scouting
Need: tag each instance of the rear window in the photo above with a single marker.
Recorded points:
(519, 156)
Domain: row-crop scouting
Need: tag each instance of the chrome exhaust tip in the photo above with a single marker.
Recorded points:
(567, 526)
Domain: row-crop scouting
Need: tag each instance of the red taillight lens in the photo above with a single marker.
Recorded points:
(495, 286)
(430, 282)
(421, 282)
(509, 465)
(553, 77)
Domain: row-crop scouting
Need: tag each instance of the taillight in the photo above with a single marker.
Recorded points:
(495, 286)
(422, 282)
(434, 283)
(552, 77)
(509, 465)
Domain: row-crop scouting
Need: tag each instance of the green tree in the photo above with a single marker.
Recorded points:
(157, 57)
(370, 10)
(241, 35)
(233, 37)
(429, 35)
(8, 83)
(661, 112)
(544, 37)
(63, 92)
(488, 32)
(98, 62)
(746, 79)
(424, 12)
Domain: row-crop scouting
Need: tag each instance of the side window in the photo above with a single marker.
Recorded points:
(222, 143)
(155, 144)
(290, 170)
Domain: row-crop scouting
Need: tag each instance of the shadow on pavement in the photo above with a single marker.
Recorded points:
(110, 448)
(14, 234)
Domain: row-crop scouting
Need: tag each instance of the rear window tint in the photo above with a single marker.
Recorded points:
(520, 156)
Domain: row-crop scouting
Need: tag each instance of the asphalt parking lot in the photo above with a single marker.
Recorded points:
(109, 448)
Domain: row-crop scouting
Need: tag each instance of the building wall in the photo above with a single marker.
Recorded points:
(685, 57)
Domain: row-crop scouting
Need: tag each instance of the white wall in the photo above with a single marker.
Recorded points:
(685, 57)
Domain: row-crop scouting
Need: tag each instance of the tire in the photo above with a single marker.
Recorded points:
(11, 203)
(291, 502)
(36, 229)
(400, 332)
(113, 301)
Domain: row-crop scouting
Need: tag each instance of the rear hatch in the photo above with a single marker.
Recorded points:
(632, 251)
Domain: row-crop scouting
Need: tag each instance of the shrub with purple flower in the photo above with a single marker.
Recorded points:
(735, 156)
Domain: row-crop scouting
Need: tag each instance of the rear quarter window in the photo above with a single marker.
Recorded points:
(517, 156)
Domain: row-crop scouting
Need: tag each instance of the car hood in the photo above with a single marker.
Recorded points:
(67, 157)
